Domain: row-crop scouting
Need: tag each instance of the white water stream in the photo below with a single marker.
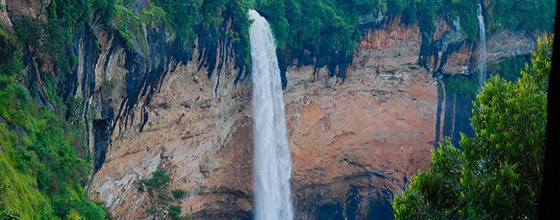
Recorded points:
(272, 163)
(482, 51)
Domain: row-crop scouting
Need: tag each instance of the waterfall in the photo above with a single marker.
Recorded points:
(272, 163)
(482, 51)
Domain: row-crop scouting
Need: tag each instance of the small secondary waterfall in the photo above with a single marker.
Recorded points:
(272, 163)
(482, 51)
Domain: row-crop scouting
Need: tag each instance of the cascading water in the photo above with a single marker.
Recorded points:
(272, 162)
(482, 51)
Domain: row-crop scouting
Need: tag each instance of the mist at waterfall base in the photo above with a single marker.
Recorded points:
(272, 163)
(482, 51)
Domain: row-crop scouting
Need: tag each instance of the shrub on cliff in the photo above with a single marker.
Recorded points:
(498, 175)
(162, 201)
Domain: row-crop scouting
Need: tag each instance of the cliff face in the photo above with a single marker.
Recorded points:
(196, 128)
(355, 142)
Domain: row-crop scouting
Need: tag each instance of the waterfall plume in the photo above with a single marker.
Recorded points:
(482, 51)
(272, 163)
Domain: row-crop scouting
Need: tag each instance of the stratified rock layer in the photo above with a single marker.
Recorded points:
(354, 143)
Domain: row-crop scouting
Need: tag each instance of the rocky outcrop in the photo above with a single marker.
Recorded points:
(508, 43)
(34, 9)
(4, 18)
(204, 139)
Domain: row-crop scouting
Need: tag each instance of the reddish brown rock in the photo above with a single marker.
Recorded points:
(361, 141)
(31, 8)
(353, 144)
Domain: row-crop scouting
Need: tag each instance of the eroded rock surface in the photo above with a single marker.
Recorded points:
(31, 8)
(355, 140)
(354, 143)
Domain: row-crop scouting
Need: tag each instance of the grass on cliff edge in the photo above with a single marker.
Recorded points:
(43, 158)
(43, 161)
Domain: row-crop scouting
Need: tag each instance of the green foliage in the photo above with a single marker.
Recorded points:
(87, 209)
(186, 18)
(152, 16)
(462, 84)
(427, 11)
(326, 26)
(73, 60)
(329, 26)
(12, 58)
(107, 8)
(498, 175)
(17, 189)
(509, 69)
(520, 14)
(43, 159)
(159, 180)
(128, 25)
(162, 202)
(321, 27)
(182, 16)
(6, 214)
(435, 194)
(63, 17)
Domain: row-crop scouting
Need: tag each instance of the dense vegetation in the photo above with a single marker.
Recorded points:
(499, 173)
(43, 161)
(520, 14)
(509, 69)
(331, 26)
(185, 17)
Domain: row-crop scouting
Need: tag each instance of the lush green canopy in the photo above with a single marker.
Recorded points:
(325, 26)
(499, 173)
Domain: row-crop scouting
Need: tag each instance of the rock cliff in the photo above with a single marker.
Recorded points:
(354, 144)
(355, 141)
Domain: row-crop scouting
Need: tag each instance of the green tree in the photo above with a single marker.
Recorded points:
(498, 175)
(162, 203)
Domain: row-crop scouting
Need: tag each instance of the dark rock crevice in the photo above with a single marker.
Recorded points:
(102, 138)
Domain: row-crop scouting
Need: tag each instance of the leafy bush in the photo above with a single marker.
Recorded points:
(162, 202)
